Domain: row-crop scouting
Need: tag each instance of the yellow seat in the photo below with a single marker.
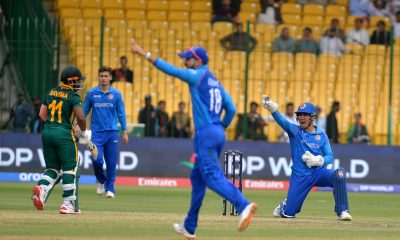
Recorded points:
(313, 9)
(178, 16)
(198, 16)
(179, 5)
(92, 13)
(342, 2)
(114, 14)
(135, 4)
(312, 20)
(246, 16)
(293, 29)
(222, 28)
(375, 49)
(70, 13)
(68, 4)
(291, 8)
(201, 6)
(336, 10)
(291, 18)
(250, 7)
(157, 5)
(157, 15)
(112, 4)
(91, 4)
(135, 14)
(354, 48)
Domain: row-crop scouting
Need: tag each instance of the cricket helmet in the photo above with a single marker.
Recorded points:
(72, 76)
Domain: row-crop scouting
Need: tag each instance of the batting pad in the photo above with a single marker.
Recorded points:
(340, 191)
(48, 180)
(69, 184)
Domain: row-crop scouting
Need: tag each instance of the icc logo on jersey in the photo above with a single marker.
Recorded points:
(317, 137)
(110, 96)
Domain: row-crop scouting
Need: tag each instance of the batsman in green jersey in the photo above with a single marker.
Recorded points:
(60, 107)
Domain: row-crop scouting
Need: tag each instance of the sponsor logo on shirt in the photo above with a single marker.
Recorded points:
(97, 96)
(310, 144)
(103, 105)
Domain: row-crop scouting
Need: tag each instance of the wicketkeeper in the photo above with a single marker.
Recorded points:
(311, 152)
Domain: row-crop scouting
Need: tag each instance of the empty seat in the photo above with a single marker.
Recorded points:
(291, 8)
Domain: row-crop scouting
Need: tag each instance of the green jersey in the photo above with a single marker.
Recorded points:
(60, 102)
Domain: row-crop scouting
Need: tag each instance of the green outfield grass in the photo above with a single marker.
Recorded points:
(148, 214)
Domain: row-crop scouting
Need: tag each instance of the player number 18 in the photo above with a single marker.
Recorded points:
(215, 100)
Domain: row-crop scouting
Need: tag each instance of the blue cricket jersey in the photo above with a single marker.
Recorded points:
(207, 94)
(107, 109)
(301, 141)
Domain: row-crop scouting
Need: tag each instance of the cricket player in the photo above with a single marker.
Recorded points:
(107, 110)
(209, 99)
(311, 152)
(60, 106)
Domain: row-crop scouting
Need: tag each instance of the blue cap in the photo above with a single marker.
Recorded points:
(308, 108)
(195, 52)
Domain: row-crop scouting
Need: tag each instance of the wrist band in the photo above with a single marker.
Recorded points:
(148, 55)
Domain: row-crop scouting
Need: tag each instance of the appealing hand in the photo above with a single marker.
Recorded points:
(268, 104)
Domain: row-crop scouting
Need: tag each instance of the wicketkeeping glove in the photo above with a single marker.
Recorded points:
(268, 104)
(311, 160)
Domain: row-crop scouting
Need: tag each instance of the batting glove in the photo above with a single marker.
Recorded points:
(85, 137)
(311, 160)
(268, 104)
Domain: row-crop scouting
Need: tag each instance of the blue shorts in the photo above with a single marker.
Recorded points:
(300, 186)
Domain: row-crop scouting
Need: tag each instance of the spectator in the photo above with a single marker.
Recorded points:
(291, 117)
(331, 44)
(396, 24)
(331, 123)
(225, 11)
(147, 116)
(162, 120)
(378, 8)
(380, 35)
(21, 113)
(359, 7)
(255, 125)
(122, 74)
(357, 132)
(307, 44)
(236, 41)
(339, 31)
(358, 34)
(321, 2)
(320, 121)
(284, 43)
(180, 123)
(270, 12)
(36, 124)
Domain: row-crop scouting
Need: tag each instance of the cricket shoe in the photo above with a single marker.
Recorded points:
(180, 229)
(68, 208)
(38, 197)
(246, 215)
(278, 210)
(345, 216)
(110, 194)
(100, 189)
